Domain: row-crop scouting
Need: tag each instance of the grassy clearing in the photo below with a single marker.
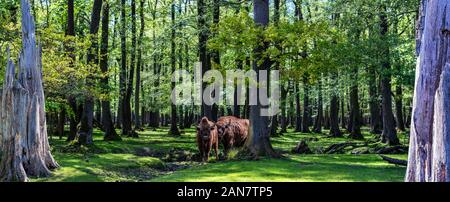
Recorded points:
(117, 161)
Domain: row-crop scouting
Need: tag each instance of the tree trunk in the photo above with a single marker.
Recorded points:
(389, 134)
(71, 49)
(306, 110)
(399, 108)
(87, 118)
(123, 61)
(137, 123)
(354, 119)
(25, 150)
(429, 143)
(61, 122)
(298, 116)
(108, 126)
(283, 118)
(258, 142)
(127, 129)
(374, 107)
(206, 110)
(319, 117)
(173, 117)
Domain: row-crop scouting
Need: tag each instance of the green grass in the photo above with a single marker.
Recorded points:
(116, 161)
(296, 168)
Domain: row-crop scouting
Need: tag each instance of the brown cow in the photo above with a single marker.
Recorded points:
(233, 132)
(207, 137)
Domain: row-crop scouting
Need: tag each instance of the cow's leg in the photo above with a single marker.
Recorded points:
(216, 150)
(208, 150)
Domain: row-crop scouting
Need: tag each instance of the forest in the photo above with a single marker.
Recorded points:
(91, 90)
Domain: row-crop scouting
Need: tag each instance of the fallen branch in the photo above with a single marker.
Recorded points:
(394, 161)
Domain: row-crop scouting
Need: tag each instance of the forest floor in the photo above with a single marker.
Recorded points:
(157, 157)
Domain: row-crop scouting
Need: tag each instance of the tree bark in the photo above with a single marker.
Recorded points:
(25, 150)
(87, 118)
(173, 117)
(298, 116)
(137, 120)
(127, 129)
(389, 134)
(319, 117)
(258, 142)
(429, 143)
(108, 126)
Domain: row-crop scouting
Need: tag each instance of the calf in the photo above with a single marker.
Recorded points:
(233, 132)
(207, 137)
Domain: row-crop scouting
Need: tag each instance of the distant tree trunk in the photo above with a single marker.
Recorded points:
(258, 142)
(206, 110)
(276, 20)
(354, 119)
(108, 126)
(399, 107)
(127, 129)
(86, 123)
(123, 61)
(173, 117)
(283, 118)
(319, 117)
(389, 134)
(25, 151)
(334, 116)
(306, 110)
(428, 159)
(61, 122)
(137, 124)
(71, 49)
(343, 124)
(374, 107)
(298, 116)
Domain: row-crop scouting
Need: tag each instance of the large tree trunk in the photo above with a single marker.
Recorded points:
(258, 142)
(389, 134)
(108, 126)
(25, 150)
(428, 159)
(87, 118)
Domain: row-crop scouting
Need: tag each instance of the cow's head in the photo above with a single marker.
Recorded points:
(204, 128)
(223, 128)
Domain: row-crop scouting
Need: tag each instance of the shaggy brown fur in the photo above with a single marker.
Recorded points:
(233, 132)
(207, 138)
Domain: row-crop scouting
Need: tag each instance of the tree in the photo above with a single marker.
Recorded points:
(139, 67)
(127, 129)
(203, 52)
(173, 118)
(123, 62)
(389, 134)
(70, 49)
(24, 146)
(258, 142)
(86, 127)
(108, 126)
(428, 159)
